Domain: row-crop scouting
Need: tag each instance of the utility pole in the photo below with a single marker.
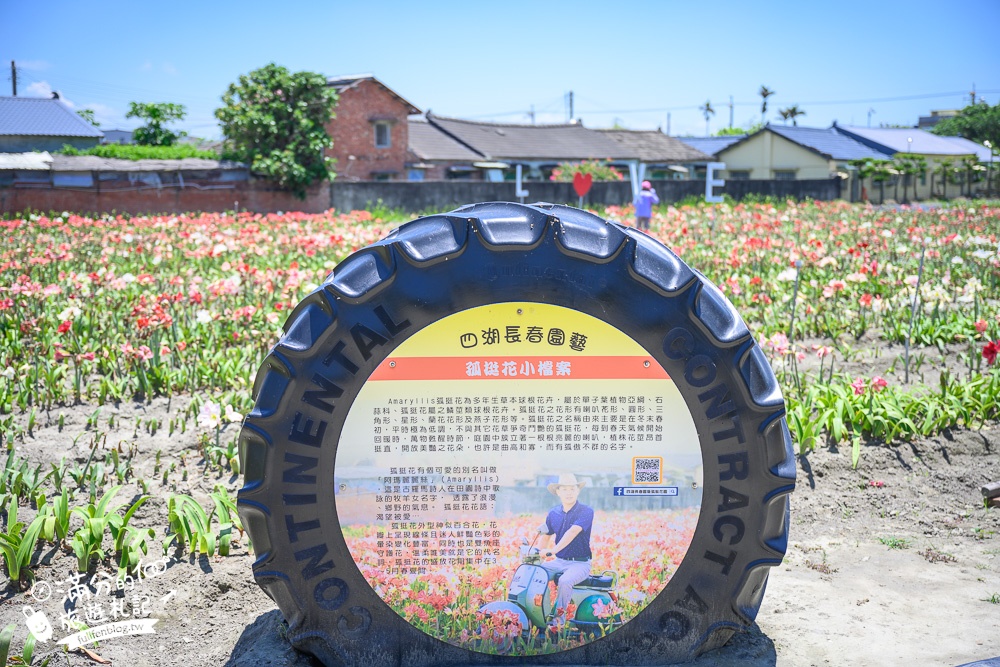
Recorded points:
(730, 112)
(870, 112)
(972, 95)
(668, 123)
(532, 114)
(13, 77)
(571, 106)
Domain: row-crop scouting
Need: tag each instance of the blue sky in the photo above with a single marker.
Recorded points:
(629, 62)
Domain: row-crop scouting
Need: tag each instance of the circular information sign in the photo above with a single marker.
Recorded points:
(518, 478)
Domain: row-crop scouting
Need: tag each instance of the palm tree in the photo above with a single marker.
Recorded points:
(707, 110)
(946, 168)
(970, 163)
(784, 115)
(764, 93)
(793, 112)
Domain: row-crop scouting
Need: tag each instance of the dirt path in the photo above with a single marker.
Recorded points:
(897, 562)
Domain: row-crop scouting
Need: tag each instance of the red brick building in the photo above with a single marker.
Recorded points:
(370, 132)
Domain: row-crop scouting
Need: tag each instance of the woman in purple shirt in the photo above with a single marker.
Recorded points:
(644, 205)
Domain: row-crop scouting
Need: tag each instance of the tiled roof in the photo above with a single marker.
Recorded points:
(529, 142)
(712, 145)
(894, 140)
(40, 116)
(345, 83)
(653, 146)
(94, 163)
(827, 141)
(428, 142)
(25, 161)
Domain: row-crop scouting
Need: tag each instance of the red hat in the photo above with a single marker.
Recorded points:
(646, 185)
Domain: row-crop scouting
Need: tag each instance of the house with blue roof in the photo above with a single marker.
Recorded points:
(780, 152)
(42, 124)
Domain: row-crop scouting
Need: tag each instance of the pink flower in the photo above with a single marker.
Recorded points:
(981, 326)
(879, 383)
(865, 300)
(823, 350)
(859, 386)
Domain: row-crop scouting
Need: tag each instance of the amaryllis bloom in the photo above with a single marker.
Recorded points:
(210, 415)
(858, 386)
(981, 326)
(879, 383)
(990, 351)
(823, 350)
(64, 327)
(865, 300)
(232, 415)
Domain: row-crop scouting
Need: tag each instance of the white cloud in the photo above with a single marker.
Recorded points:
(106, 116)
(170, 69)
(44, 89)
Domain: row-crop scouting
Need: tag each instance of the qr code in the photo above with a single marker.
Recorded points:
(647, 470)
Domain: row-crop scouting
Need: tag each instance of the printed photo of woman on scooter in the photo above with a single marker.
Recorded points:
(567, 527)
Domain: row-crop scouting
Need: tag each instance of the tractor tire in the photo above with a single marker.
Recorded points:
(501, 253)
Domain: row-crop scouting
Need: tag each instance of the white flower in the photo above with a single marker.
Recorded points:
(8, 373)
(128, 278)
(957, 260)
(232, 415)
(787, 275)
(983, 254)
(203, 317)
(210, 415)
(70, 313)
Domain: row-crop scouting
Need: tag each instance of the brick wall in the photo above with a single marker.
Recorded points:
(353, 133)
(254, 196)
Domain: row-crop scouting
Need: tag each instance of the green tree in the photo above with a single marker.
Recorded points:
(156, 115)
(275, 121)
(764, 93)
(792, 113)
(708, 112)
(88, 115)
(977, 122)
(734, 131)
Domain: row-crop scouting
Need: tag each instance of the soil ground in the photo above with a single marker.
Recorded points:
(896, 562)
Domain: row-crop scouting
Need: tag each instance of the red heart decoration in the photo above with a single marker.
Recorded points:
(582, 183)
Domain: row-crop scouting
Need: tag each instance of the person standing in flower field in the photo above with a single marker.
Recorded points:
(644, 205)
(568, 526)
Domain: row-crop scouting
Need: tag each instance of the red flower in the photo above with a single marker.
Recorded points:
(65, 326)
(990, 351)
(879, 383)
(865, 300)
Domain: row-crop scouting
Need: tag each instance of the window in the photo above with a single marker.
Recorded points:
(415, 175)
(381, 176)
(383, 136)
(784, 174)
(739, 175)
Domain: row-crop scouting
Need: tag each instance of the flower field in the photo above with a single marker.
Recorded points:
(883, 327)
(445, 602)
(115, 308)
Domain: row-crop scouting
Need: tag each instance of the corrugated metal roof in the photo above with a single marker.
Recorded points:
(652, 146)
(428, 142)
(93, 163)
(712, 145)
(25, 161)
(39, 116)
(529, 142)
(968, 146)
(895, 140)
(829, 142)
